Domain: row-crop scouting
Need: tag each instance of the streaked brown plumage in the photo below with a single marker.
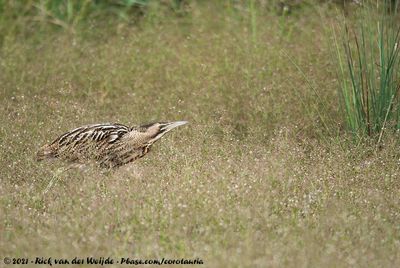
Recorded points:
(111, 145)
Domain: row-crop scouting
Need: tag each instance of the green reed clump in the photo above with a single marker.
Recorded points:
(369, 71)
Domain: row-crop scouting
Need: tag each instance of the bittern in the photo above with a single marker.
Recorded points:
(110, 145)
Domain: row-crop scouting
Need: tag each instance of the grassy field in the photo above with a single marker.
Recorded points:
(264, 175)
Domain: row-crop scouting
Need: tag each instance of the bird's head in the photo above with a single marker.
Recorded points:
(159, 129)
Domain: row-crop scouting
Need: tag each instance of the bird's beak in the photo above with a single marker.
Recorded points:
(169, 126)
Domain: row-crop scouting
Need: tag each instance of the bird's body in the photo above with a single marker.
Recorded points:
(110, 145)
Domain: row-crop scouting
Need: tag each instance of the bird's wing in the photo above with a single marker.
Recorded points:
(109, 133)
(79, 140)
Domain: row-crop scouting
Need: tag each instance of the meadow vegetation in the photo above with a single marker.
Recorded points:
(266, 174)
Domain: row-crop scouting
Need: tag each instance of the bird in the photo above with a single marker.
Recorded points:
(110, 145)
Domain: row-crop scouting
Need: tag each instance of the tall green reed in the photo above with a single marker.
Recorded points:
(369, 71)
(253, 15)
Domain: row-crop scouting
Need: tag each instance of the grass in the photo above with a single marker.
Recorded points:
(256, 179)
